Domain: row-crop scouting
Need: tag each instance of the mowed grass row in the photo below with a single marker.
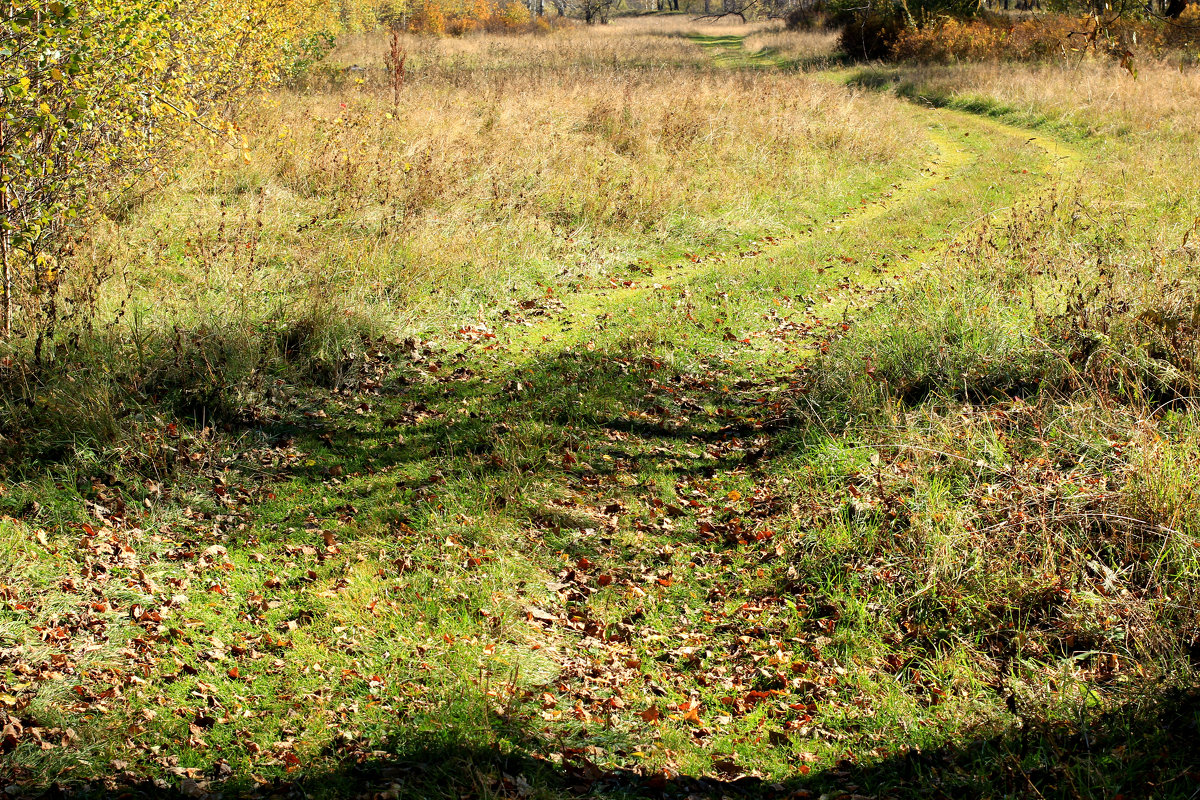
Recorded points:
(684, 511)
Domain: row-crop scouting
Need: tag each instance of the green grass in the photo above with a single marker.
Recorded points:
(982, 105)
(807, 511)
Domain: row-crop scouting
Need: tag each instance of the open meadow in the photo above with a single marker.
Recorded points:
(665, 408)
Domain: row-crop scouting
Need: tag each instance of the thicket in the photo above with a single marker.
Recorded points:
(943, 31)
(96, 100)
(948, 39)
(93, 96)
(461, 17)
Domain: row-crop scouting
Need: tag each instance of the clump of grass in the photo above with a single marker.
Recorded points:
(1162, 487)
(943, 339)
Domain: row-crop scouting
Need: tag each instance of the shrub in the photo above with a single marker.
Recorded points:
(965, 342)
(872, 34)
(950, 40)
(461, 17)
(91, 95)
(219, 370)
(815, 15)
(1184, 33)
(513, 16)
(946, 39)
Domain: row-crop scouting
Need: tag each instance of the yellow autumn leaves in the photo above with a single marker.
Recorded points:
(92, 94)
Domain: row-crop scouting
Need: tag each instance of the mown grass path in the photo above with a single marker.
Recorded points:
(980, 169)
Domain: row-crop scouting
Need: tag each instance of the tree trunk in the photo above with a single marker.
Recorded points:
(8, 281)
(5, 258)
(1176, 7)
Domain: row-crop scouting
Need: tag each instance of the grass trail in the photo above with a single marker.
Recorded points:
(980, 169)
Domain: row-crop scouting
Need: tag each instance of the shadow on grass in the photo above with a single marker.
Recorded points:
(1146, 748)
(513, 425)
(568, 416)
(444, 419)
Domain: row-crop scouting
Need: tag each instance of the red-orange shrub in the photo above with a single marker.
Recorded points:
(461, 17)
(1042, 38)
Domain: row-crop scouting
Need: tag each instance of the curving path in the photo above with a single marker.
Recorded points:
(982, 169)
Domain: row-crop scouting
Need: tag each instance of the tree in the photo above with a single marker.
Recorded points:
(731, 8)
(596, 11)
(94, 94)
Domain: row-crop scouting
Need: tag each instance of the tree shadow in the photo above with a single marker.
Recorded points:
(571, 416)
(1147, 747)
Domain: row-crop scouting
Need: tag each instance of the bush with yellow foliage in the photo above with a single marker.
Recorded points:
(1045, 37)
(94, 94)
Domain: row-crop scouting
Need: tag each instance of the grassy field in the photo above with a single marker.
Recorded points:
(656, 409)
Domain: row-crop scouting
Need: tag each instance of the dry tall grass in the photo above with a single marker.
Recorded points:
(791, 45)
(508, 160)
(628, 42)
(1138, 195)
(1101, 96)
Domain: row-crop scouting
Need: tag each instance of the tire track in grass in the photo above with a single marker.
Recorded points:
(975, 167)
(983, 169)
(979, 167)
(953, 155)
